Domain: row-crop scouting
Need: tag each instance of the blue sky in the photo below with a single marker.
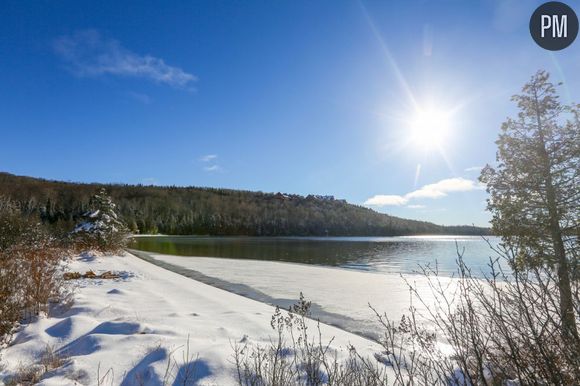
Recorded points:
(294, 96)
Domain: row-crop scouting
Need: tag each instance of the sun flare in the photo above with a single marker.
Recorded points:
(430, 128)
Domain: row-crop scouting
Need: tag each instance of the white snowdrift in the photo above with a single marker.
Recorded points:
(341, 296)
(127, 328)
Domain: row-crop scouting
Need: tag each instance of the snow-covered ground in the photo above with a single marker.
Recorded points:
(123, 331)
(340, 296)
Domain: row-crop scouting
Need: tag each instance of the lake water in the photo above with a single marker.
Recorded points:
(376, 254)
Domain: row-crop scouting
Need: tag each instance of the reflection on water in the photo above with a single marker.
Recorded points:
(382, 254)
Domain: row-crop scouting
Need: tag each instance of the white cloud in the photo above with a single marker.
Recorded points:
(436, 190)
(416, 206)
(441, 188)
(212, 168)
(208, 157)
(210, 163)
(474, 169)
(386, 200)
(88, 54)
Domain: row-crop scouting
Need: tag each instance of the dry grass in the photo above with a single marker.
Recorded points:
(90, 275)
(503, 330)
(33, 373)
(297, 358)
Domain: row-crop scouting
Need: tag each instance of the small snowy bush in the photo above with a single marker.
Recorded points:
(100, 228)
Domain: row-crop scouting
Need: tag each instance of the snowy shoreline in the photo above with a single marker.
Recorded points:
(125, 330)
(340, 296)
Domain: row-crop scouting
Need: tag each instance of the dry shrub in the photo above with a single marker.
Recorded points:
(91, 275)
(105, 243)
(505, 329)
(25, 375)
(51, 359)
(10, 297)
(31, 263)
(11, 287)
(72, 275)
(296, 358)
(40, 258)
(31, 374)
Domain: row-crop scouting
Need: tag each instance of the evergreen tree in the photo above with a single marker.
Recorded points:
(535, 189)
(100, 227)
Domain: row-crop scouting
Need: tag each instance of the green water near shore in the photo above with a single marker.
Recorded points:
(380, 254)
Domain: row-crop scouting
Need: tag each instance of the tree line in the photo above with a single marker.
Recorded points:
(208, 211)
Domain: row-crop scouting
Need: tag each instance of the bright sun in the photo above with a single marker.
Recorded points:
(430, 128)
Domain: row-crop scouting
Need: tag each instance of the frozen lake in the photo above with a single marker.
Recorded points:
(374, 254)
(341, 276)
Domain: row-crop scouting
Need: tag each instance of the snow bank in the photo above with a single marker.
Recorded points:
(340, 296)
(123, 331)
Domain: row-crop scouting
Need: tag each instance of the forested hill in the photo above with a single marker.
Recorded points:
(208, 211)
